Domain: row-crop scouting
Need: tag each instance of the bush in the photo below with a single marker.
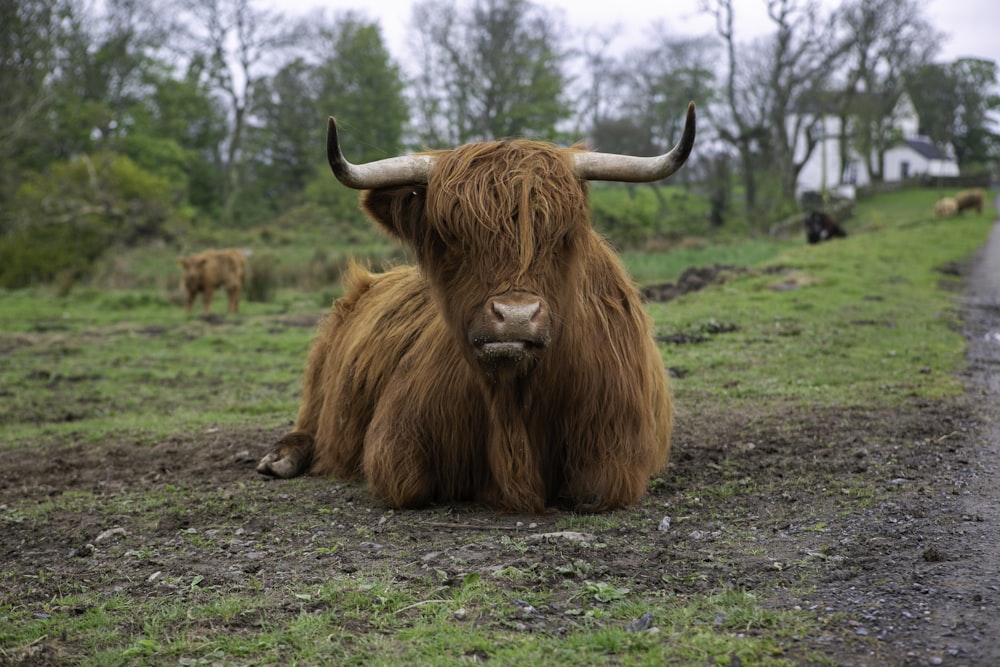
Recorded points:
(39, 254)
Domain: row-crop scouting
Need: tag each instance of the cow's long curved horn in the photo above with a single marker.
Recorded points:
(403, 170)
(631, 169)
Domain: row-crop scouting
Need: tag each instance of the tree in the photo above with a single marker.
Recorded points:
(284, 141)
(743, 122)
(649, 89)
(976, 96)
(489, 70)
(646, 93)
(178, 131)
(806, 49)
(31, 32)
(240, 44)
(887, 40)
(956, 103)
(355, 80)
(362, 86)
(931, 87)
(770, 94)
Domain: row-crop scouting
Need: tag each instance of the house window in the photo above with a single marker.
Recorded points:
(904, 170)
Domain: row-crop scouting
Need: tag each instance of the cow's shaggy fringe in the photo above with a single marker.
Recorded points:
(393, 394)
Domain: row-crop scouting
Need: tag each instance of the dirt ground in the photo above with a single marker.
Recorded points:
(883, 523)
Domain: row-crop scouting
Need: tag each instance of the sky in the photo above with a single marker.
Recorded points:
(972, 27)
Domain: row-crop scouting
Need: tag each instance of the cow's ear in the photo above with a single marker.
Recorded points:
(399, 210)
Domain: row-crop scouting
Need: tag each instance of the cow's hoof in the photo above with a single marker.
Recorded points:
(289, 457)
(274, 464)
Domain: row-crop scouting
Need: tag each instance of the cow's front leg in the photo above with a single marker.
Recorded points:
(206, 296)
(234, 300)
(395, 459)
(398, 473)
(289, 457)
(596, 480)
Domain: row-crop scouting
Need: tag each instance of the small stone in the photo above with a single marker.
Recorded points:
(664, 524)
(109, 533)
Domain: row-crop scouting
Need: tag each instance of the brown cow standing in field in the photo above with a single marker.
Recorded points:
(967, 199)
(514, 365)
(207, 271)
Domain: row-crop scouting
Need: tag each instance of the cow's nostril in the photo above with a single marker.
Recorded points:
(516, 312)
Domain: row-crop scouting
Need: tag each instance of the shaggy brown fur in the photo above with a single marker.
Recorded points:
(945, 207)
(396, 393)
(207, 271)
(967, 199)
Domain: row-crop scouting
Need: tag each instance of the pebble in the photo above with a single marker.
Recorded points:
(109, 533)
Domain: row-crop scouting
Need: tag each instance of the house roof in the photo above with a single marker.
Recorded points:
(927, 149)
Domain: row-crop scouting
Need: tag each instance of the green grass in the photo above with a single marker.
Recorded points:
(650, 268)
(384, 621)
(863, 320)
(866, 320)
(109, 356)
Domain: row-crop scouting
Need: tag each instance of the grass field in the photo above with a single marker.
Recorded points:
(866, 323)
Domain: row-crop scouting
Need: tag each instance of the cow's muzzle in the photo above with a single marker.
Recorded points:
(509, 328)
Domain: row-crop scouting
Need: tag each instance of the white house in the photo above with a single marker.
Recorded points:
(912, 157)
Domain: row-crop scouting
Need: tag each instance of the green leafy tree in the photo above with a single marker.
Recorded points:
(355, 80)
(284, 141)
(177, 131)
(32, 33)
(241, 45)
(931, 87)
(363, 88)
(975, 139)
(956, 103)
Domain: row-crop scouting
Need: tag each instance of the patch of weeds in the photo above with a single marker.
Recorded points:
(591, 523)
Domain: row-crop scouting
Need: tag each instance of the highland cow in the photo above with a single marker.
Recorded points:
(514, 365)
(822, 227)
(207, 271)
(968, 199)
(945, 207)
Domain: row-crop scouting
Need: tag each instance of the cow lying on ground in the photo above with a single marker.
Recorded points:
(207, 271)
(821, 226)
(945, 207)
(515, 365)
(968, 199)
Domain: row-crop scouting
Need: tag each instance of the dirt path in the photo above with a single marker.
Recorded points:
(946, 609)
(970, 607)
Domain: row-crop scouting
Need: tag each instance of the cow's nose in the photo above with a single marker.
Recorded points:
(517, 314)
